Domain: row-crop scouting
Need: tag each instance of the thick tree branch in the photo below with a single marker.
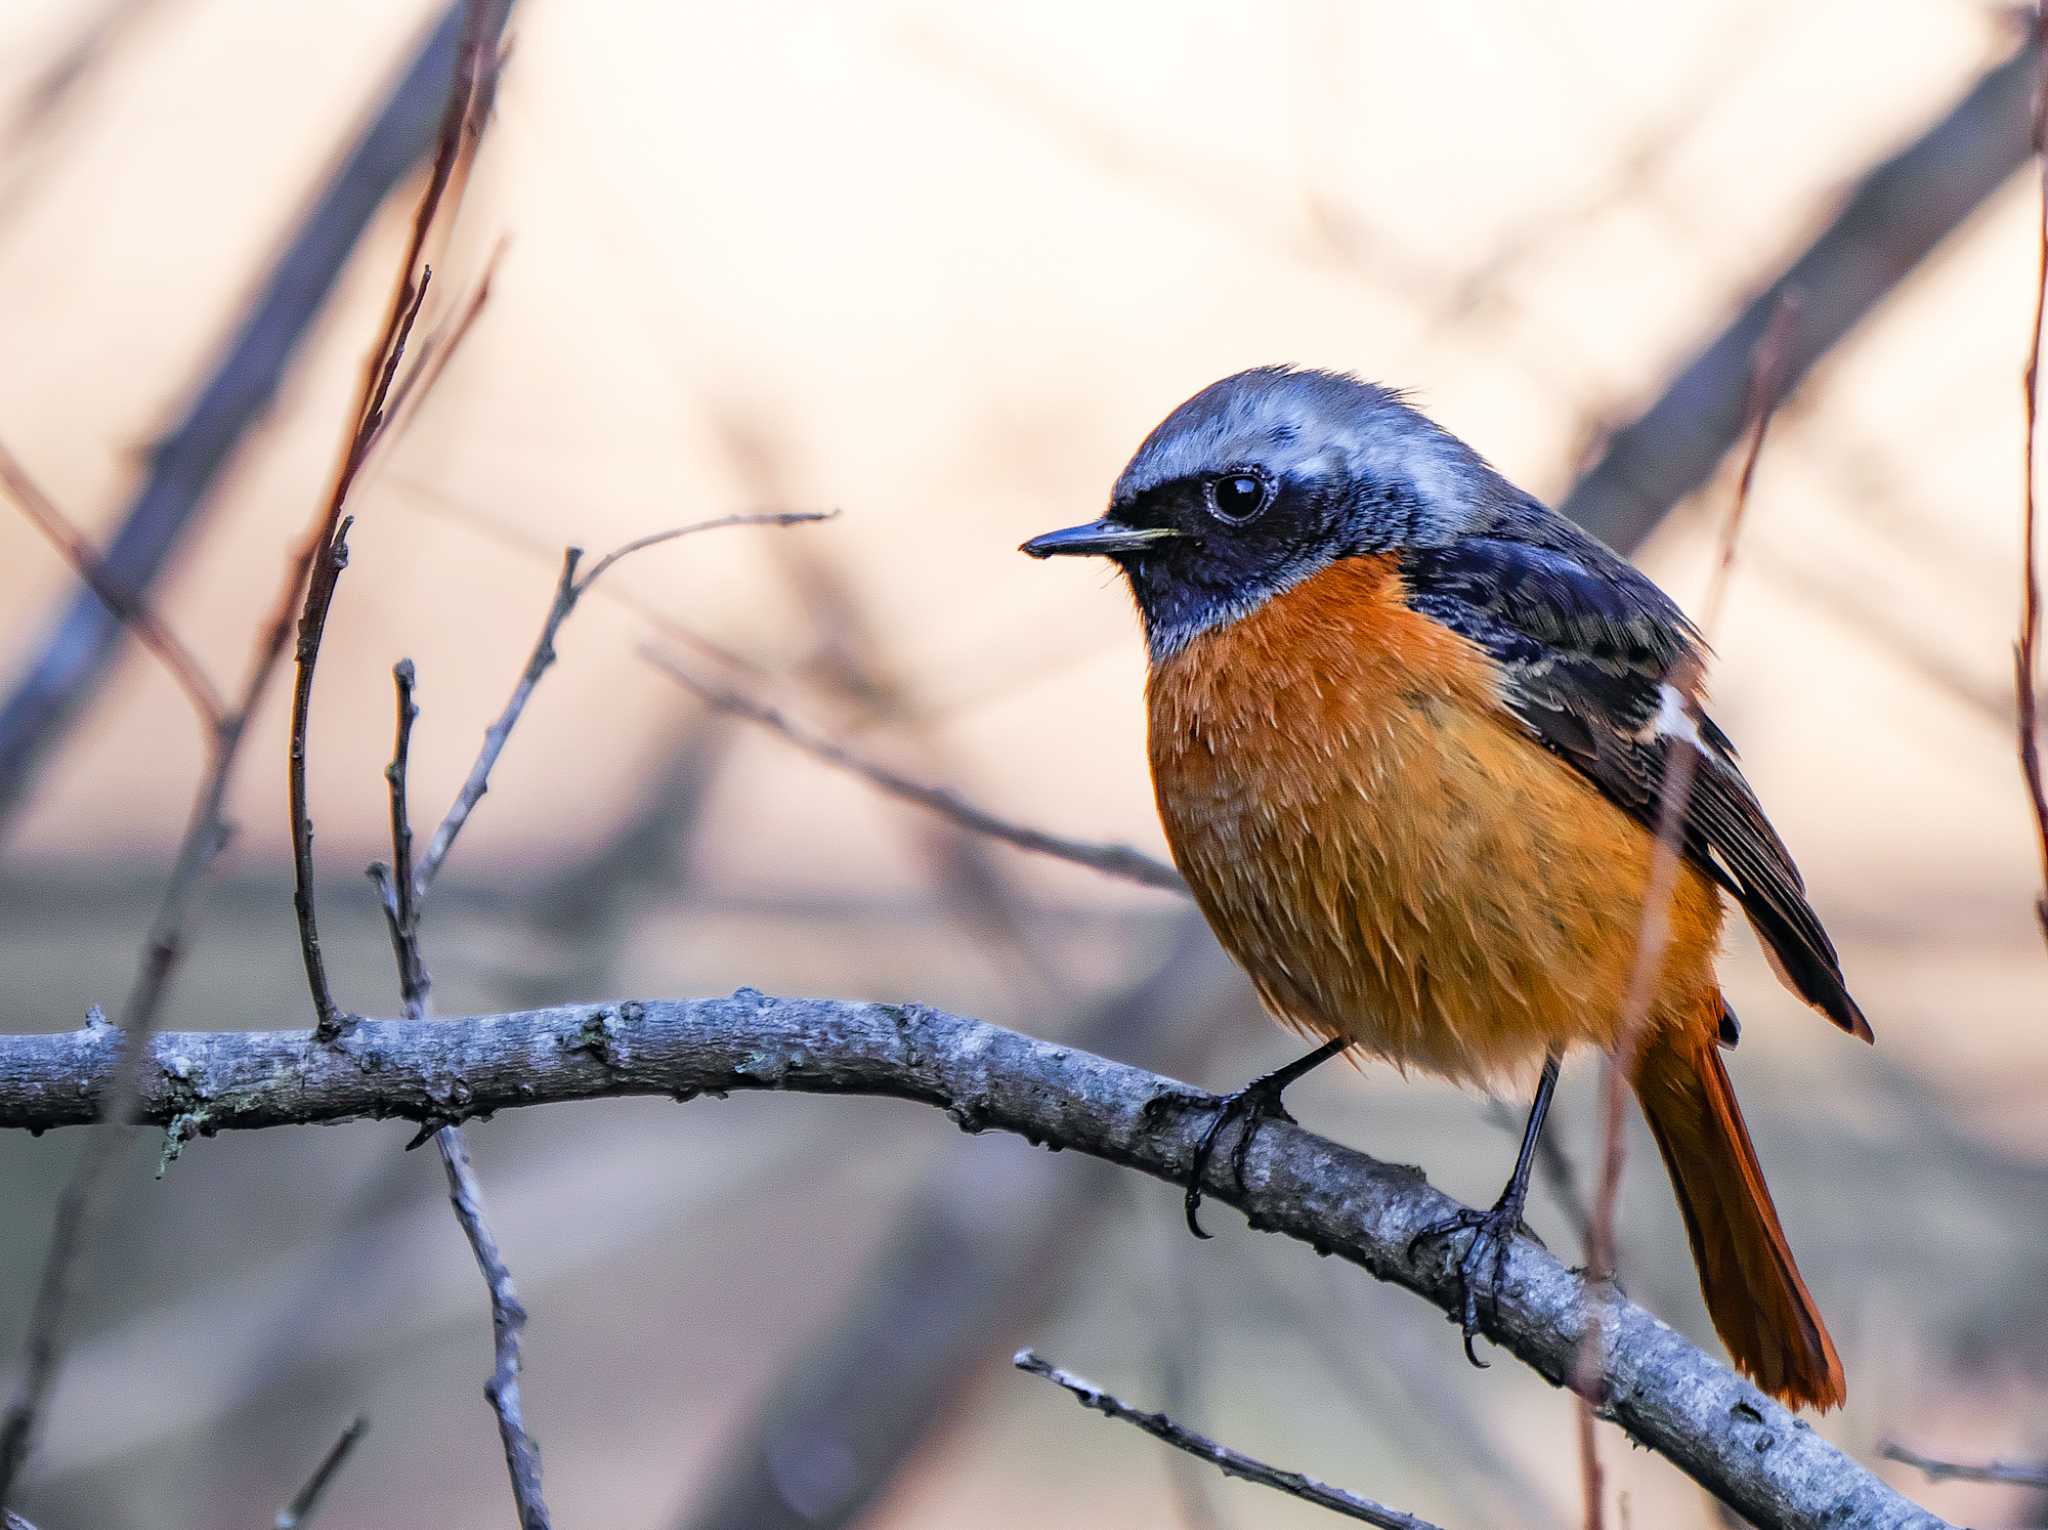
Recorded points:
(1662, 1389)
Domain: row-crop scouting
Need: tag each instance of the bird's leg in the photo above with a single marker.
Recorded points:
(1493, 1232)
(1251, 1104)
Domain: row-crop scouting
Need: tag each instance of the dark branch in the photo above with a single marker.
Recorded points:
(394, 882)
(1662, 1389)
(1230, 1462)
(299, 1512)
(312, 627)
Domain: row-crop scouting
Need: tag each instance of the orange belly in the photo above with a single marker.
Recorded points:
(1389, 857)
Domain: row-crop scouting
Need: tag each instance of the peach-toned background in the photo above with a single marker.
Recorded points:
(939, 267)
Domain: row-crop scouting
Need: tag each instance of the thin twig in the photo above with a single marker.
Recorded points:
(235, 394)
(438, 349)
(402, 888)
(1112, 860)
(85, 561)
(205, 833)
(2025, 664)
(568, 591)
(508, 1317)
(312, 627)
(1660, 889)
(2012, 1474)
(443, 506)
(299, 1512)
(394, 881)
(1231, 1463)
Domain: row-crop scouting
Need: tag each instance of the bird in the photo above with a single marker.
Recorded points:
(1410, 734)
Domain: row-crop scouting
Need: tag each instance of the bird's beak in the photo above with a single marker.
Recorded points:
(1104, 538)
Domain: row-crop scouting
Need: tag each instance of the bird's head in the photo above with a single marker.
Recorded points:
(1263, 479)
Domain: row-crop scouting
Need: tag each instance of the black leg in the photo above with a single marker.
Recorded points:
(1493, 1232)
(1253, 1103)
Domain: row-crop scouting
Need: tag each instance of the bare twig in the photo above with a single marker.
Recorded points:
(1667, 1393)
(443, 506)
(569, 589)
(508, 1317)
(237, 393)
(1112, 860)
(1767, 376)
(312, 626)
(438, 349)
(402, 889)
(1230, 1462)
(2013, 1474)
(206, 828)
(2025, 663)
(85, 561)
(299, 1512)
(394, 881)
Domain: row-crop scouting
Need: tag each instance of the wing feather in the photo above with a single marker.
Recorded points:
(1600, 666)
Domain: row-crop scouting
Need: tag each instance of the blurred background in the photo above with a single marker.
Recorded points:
(940, 267)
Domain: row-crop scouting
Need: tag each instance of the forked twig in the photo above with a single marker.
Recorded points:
(1111, 860)
(1231, 1463)
(569, 589)
(402, 888)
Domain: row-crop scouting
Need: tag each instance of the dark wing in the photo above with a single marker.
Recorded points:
(1601, 666)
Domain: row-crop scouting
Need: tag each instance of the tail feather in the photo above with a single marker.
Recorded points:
(1754, 1293)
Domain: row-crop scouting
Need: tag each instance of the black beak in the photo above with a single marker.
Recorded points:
(1103, 539)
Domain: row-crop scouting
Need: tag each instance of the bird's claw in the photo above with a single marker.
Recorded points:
(1493, 1234)
(1251, 1105)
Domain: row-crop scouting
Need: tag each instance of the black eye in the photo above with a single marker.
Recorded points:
(1237, 497)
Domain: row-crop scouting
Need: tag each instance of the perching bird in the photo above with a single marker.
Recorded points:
(1408, 734)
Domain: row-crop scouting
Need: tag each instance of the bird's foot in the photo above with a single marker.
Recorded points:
(1482, 1268)
(1256, 1102)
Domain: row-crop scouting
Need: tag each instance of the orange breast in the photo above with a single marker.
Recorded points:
(1388, 855)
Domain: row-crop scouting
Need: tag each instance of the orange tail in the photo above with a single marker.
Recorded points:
(1760, 1306)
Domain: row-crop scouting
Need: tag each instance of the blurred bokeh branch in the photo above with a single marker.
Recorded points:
(185, 464)
(299, 1512)
(1112, 860)
(2011, 1473)
(1665, 1391)
(1900, 210)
